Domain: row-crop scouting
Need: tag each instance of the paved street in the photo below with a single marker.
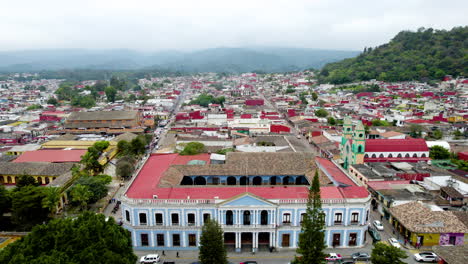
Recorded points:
(299, 145)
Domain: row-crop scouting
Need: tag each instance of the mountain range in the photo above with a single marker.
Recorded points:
(234, 60)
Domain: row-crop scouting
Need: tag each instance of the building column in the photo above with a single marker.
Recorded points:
(238, 242)
(295, 234)
(274, 239)
(255, 241)
(271, 239)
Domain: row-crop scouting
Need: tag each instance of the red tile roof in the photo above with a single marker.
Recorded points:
(396, 145)
(51, 155)
(146, 185)
(334, 171)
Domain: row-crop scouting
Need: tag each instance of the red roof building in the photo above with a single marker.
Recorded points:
(396, 145)
(51, 155)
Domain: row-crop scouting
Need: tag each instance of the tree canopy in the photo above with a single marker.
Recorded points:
(86, 239)
(206, 99)
(422, 55)
(321, 112)
(312, 238)
(212, 250)
(193, 148)
(439, 152)
(386, 254)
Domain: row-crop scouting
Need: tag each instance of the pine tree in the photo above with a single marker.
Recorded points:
(312, 237)
(212, 250)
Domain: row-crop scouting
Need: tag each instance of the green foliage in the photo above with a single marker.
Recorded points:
(314, 96)
(265, 144)
(66, 91)
(422, 55)
(26, 180)
(290, 90)
(224, 151)
(217, 86)
(124, 147)
(303, 98)
(331, 121)
(134, 148)
(321, 112)
(386, 254)
(212, 250)
(111, 92)
(87, 239)
(86, 101)
(461, 164)
(312, 237)
(118, 83)
(437, 134)
(33, 107)
(97, 185)
(138, 145)
(91, 160)
(378, 122)
(5, 201)
(80, 194)
(100, 86)
(415, 131)
(359, 88)
(124, 169)
(193, 148)
(439, 152)
(26, 207)
(53, 101)
(101, 145)
(206, 99)
(51, 199)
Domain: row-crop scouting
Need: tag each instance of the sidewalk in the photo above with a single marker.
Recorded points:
(193, 254)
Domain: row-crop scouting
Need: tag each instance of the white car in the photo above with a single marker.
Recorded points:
(150, 258)
(394, 242)
(426, 257)
(378, 225)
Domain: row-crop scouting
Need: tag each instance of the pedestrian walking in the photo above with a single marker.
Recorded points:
(177, 253)
(164, 253)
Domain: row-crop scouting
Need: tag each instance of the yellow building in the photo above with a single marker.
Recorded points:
(43, 172)
(108, 154)
(455, 119)
(424, 227)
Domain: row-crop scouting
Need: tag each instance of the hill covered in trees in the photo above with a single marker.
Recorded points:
(231, 60)
(422, 55)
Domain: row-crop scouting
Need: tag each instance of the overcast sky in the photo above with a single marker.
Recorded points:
(198, 24)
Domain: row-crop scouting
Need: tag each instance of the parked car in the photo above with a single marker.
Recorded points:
(333, 257)
(168, 262)
(378, 225)
(426, 257)
(374, 234)
(150, 258)
(394, 242)
(249, 262)
(360, 256)
(347, 262)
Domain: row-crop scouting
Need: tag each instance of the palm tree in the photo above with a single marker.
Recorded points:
(81, 195)
(51, 199)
